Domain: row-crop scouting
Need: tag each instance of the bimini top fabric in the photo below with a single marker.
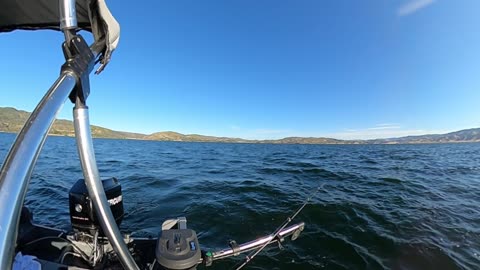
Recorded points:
(38, 14)
(92, 15)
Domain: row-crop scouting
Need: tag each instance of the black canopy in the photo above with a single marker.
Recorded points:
(38, 14)
(92, 15)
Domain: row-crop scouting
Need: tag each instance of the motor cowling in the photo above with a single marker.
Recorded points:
(82, 213)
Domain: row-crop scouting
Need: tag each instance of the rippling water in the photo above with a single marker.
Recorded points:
(380, 206)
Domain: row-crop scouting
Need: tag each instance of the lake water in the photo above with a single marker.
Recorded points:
(379, 206)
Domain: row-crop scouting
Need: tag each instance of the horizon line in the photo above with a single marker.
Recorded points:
(326, 136)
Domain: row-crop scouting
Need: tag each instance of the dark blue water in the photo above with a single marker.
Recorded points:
(380, 206)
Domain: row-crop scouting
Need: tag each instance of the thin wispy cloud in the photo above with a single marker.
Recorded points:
(234, 127)
(381, 131)
(259, 133)
(378, 131)
(367, 134)
(387, 124)
(413, 6)
(270, 131)
(384, 127)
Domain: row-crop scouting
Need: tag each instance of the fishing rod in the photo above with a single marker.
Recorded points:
(252, 255)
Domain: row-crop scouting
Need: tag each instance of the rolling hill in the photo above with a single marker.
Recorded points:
(12, 120)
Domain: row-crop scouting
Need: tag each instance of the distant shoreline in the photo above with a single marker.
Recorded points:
(12, 120)
(270, 143)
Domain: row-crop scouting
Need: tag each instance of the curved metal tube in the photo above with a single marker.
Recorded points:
(68, 14)
(17, 169)
(95, 187)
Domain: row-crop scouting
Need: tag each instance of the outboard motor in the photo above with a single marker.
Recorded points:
(82, 212)
(177, 247)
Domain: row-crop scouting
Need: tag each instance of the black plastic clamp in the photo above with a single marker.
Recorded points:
(207, 258)
(80, 62)
(297, 233)
(235, 248)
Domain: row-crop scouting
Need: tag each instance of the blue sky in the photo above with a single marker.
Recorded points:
(271, 69)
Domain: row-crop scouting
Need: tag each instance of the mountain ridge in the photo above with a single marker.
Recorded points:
(12, 120)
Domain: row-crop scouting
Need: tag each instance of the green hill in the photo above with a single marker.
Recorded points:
(174, 136)
(12, 120)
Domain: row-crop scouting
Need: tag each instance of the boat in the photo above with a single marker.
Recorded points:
(96, 204)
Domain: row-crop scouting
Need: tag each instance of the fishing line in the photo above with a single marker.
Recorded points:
(252, 255)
